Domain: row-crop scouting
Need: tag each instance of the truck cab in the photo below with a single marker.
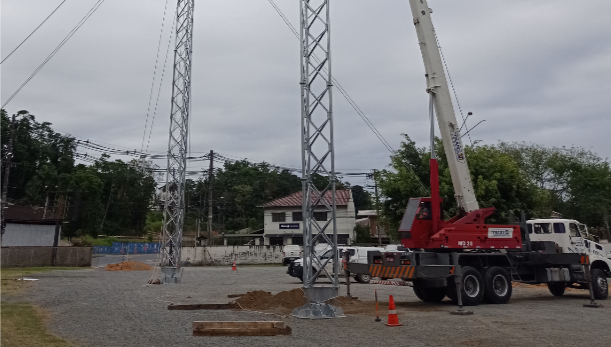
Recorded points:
(570, 236)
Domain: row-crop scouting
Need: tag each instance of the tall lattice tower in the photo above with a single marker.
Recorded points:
(174, 209)
(317, 153)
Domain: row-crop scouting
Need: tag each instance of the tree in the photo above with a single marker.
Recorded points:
(361, 197)
(497, 179)
(114, 196)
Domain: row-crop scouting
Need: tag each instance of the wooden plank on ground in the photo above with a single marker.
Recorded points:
(203, 307)
(255, 328)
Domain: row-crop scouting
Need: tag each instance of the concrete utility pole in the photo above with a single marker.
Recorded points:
(375, 186)
(210, 191)
(7, 169)
(174, 209)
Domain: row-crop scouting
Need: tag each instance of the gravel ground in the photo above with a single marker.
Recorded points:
(105, 308)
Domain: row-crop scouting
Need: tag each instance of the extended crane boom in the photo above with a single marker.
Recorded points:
(422, 225)
(437, 86)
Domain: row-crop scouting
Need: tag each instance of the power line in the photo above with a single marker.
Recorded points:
(160, 84)
(61, 44)
(32, 33)
(351, 101)
(165, 9)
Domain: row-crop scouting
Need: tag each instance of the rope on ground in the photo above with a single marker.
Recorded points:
(268, 313)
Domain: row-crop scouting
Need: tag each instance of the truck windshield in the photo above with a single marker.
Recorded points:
(574, 231)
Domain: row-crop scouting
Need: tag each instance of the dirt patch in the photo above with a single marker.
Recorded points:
(259, 300)
(128, 266)
(285, 302)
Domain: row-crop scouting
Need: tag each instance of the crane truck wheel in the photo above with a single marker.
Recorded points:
(497, 285)
(600, 286)
(472, 287)
(429, 294)
(556, 288)
(363, 278)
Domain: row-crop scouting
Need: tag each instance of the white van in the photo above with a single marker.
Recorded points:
(357, 255)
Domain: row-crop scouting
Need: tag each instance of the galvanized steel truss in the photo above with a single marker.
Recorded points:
(174, 208)
(317, 152)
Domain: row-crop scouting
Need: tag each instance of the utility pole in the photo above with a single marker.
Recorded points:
(174, 209)
(375, 186)
(7, 169)
(210, 178)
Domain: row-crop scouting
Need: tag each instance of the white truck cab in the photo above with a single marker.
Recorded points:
(571, 237)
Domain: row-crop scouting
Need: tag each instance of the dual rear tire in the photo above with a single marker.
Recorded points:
(493, 287)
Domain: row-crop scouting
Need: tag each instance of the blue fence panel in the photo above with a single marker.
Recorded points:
(127, 248)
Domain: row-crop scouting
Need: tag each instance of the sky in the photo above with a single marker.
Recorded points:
(535, 71)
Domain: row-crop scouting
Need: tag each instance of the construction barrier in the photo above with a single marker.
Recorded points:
(127, 248)
(392, 283)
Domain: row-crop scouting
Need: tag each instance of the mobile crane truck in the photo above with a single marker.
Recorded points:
(464, 258)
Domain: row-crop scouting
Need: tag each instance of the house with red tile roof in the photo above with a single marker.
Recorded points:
(284, 220)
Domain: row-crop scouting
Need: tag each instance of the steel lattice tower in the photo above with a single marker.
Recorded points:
(174, 209)
(317, 153)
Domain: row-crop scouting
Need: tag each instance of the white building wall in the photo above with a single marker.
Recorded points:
(28, 235)
(344, 216)
(226, 255)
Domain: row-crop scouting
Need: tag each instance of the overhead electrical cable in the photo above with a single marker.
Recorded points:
(148, 110)
(61, 44)
(32, 33)
(352, 102)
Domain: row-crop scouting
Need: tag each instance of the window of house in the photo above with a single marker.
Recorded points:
(297, 217)
(559, 228)
(320, 216)
(278, 217)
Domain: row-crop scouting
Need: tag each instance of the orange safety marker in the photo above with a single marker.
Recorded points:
(233, 268)
(393, 319)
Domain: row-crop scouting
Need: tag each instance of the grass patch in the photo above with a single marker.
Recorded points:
(8, 276)
(23, 323)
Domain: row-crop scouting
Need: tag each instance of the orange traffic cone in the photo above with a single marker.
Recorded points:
(233, 268)
(393, 319)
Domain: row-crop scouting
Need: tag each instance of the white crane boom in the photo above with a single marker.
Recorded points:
(437, 86)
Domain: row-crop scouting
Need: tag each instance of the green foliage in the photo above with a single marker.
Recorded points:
(577, 182)
(362, 198)
(113, 196)
(508, 176)
(363, 234)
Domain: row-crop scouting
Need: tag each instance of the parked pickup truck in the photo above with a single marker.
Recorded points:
(290, 253)
(357, 255)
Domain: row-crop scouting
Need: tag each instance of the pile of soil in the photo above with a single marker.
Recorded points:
(260, 300)
(128, 266)
(285, 302)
